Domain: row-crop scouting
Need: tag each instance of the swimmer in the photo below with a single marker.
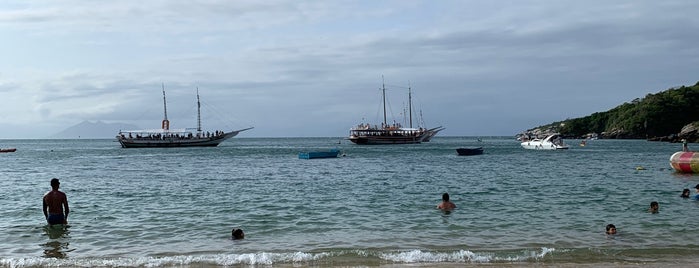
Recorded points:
(446, 204)
(685, 193)
(237, 234)
(611, 229)
(654, 207)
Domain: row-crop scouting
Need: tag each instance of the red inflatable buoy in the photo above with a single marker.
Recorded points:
(685, 162)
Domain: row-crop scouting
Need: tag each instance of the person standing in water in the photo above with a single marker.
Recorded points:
(446, 204)
(56, 205)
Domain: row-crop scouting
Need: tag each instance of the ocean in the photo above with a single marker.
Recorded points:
(373, 206)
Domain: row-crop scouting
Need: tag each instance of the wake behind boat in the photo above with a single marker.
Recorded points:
(391, 133)
(166, 137)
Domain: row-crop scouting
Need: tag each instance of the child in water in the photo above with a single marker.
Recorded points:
(611, 229)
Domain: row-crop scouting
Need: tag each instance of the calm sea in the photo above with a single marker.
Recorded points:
(373, 207)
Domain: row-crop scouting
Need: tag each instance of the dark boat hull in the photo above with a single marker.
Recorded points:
(319, 154)
(469, 151)
(127, 142)
(384, 140)
(383, 136)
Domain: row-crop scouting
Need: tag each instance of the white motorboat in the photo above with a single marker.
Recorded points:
(552, 142)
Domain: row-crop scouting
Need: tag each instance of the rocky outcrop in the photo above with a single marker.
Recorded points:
(615, 134)
(540, 133)
(690, 132)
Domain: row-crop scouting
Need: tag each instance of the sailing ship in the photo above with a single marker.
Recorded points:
(391, 133)
(166, 137)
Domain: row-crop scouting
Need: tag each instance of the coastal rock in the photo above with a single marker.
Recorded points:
(538, 133)
(616, 133)
(690, 132)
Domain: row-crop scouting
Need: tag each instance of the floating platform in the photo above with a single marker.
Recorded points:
(685, 162)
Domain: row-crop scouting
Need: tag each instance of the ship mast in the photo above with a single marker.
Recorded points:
(166, 123)
(410, 106)
(198, 112)
(383, 90)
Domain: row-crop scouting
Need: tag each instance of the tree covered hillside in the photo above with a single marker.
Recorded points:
(656, 115)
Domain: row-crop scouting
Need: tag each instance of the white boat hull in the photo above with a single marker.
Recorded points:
(552, 142)
(532, 145)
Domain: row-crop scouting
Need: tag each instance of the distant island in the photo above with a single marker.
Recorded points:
(92, 130)
(670, 115)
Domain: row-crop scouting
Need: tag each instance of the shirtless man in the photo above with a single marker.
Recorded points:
(446, 204)
(56, 205)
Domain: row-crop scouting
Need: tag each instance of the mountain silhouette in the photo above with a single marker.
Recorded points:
(92, 130)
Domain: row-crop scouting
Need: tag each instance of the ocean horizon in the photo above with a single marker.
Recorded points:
(374, 206)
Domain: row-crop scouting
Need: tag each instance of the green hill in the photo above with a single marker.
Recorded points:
(656, 116)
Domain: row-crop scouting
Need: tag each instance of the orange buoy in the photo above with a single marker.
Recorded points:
(685, 162)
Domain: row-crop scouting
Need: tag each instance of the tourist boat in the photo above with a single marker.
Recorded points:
(166, 137)
(8, 150)
(333, 153)
(551, 142)
(469, 151)
(391, 133)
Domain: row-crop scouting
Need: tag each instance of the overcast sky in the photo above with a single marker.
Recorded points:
(314, 68)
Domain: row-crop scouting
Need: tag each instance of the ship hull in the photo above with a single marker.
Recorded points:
(128, 142)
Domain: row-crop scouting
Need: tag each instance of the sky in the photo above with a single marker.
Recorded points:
(316, 68)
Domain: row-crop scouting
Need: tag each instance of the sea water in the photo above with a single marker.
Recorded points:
(372, 206)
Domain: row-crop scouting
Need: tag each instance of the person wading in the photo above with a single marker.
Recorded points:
(56, 205)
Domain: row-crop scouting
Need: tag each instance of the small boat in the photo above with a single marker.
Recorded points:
(469, 151)
(552, 142)
(166, 137)
(333, 153)
(8, 150)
